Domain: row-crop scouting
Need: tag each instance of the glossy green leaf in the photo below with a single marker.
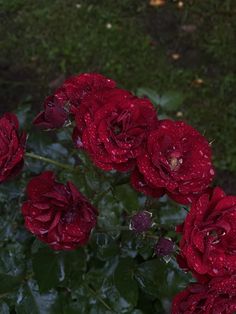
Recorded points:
(149, 275)
(31, 301)
(128, 197)
(12, 268)
(171, 101)
(150, 94)
(46, 269)
(125, 282)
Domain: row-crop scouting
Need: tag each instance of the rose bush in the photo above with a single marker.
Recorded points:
(123, 236)
(58, 214)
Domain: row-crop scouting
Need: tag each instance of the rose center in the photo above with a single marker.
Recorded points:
(70, 216)
(175, 163)
(117, 129)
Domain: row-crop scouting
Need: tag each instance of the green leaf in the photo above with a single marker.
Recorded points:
(24, 115)
(4, 308)
(149, 276)
(125, 282)
(104, 246)
(149, 93)
(66, 305)
(11, 268)
(31, 301)
(9, 283)
(72, 266)
(171, 101)
(161, 280)
(46, 269)
(128, 197)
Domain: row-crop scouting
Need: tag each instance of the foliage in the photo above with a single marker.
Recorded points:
(117, 272)
(41, 44)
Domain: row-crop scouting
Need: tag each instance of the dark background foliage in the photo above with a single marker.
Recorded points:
(184, 60)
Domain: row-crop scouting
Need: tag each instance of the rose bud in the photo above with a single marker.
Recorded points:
(208, 244)
(68, 97)
(216, 297)
(114, 126)
(177, 160)
(164, 247)
(12, 147)
(141, 221)
(55, 114)
(58, 214)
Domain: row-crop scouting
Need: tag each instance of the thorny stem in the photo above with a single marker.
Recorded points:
(51, 161)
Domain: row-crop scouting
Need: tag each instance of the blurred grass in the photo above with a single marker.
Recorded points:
(133, 43)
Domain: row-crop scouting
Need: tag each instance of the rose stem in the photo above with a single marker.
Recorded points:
(118, 228)
(51, 161)
(94, 293)
(126, 228)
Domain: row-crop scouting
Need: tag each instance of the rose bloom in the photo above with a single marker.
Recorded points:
(217, 297)
(208, 244)
(58, 214)
(12, 146)
(177, 161)
(67, 99)
(113, 126)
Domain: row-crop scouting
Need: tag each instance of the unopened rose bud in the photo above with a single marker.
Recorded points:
(54, 115)
(141, 221)
(164, 247)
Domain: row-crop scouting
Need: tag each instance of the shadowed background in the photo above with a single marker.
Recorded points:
(188, 47)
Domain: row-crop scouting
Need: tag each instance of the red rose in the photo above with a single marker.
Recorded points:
(208, 244)
(218, 297)
(115, 128)
(92, 102)
(12, 146)
(140, 184)
(178, 160)
(67, 98)
(58, 214)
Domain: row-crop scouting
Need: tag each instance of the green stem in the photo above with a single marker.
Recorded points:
(151, 236)
(94, 293)
(120, 228)
(51, 161)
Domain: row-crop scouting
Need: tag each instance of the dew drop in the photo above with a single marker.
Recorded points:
(212, 172)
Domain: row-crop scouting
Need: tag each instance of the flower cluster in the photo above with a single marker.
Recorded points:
(122, 132)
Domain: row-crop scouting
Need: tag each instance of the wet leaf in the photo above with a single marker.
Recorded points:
(46, 269)
(31, 301)
(125, 282)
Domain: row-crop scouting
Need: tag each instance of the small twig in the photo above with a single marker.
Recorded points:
(51, 161)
